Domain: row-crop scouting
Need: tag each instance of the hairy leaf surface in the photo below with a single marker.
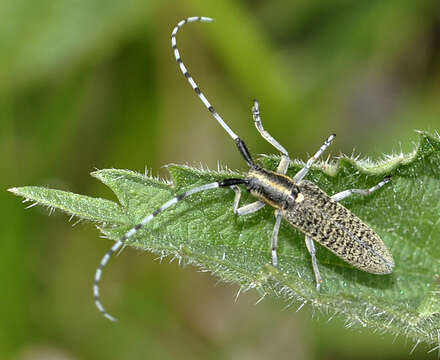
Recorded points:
(203, 230)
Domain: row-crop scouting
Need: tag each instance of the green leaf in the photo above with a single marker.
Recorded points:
(202, 230)
(84, 207)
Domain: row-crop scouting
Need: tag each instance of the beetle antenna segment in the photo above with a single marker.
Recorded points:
(130, 233)
(240, 144)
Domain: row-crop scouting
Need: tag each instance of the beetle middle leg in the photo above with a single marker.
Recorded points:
(303, 172)
(254, 207)
(275, 232)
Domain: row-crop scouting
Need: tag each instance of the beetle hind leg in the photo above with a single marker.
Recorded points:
(312, 251)
(364, 192)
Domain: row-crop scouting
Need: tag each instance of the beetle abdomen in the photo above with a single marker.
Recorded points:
(339, 230)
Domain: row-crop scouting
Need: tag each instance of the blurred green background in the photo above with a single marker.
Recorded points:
(88, 84)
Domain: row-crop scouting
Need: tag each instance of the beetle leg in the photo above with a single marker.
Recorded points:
(285, 159)
(246, 209)
(311, 248)
(276, 229)
(364, 192)
(303, 172)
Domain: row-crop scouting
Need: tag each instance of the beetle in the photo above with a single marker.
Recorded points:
(321, 217)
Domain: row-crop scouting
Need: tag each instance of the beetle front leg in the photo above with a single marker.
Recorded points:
(246, 209)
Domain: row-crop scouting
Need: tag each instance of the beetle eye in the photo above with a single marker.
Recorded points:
(290, 200)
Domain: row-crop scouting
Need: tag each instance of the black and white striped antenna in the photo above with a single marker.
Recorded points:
(240, 144)
(190, 78)
(223, 183)
(130, 233)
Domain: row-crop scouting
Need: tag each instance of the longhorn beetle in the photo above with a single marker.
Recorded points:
(300, 202)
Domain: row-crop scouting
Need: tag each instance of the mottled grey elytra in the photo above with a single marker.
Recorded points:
(300, 202)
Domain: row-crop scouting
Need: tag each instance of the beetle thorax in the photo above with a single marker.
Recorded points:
(277, 190)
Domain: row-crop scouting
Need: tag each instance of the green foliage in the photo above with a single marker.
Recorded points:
(202, 230)
(72, 31)
(91, 84)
